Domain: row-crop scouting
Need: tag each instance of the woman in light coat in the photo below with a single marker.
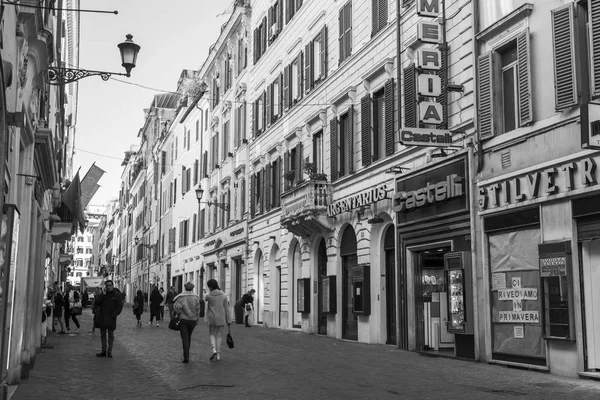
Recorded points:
(187, 305)
(218, 314)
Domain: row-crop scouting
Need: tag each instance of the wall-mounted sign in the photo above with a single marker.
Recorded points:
(425, 137)
(361, 199)
(428, 8)
(553, 266)
(432, 193)
(539, 184)
(236, 232)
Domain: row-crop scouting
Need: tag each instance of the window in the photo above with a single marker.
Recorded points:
(240, 125)
(315, 60)
(291, 6)
(78, 275)
(184, 138)
(274, 101)
(258, 114)
(505, 87)
(292, 82)
(198, 129)
(215, 151)
(242, 54)
(380, 15)
(189, 133)
(243, 199)
(275, 21)
(80, 238)
(80, 249)
(176, 148)
(196, 166)
(256, 199)
(260, 40)
(345, 35)
(184, 232)
(175, 191)
(227, 73)
(272, 184)
(88, 251)
(377, 124)
(226, 149)
(215, 90)
(318, 156)
(201, 224)
(342, 145)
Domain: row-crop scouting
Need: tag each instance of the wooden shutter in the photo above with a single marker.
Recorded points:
(298, 160)
(194, 228)
(243, 121)
(594, 34)
(278, 182)
(196, 172)
(350, 140)
(485, 103)
(253, 195)
(262, 189)
(268, 105)
(287, 74)
(390, 127)
(523, 60)
(323, 52)
(374, 17)
(264, 113)
(255, 46)
(286, 161)
(410, 97)
(563, 44)
(365, 128)
(236, 128)
(205, 163)
(288, 9)
(265, 32)
(308, 78)
(279, 100)
(300, 75)
(280, 17)
(443, 97)
(268, 184)
(255, 118)
(269, 23)
(333, 143)
(382, 14)
(298, 4)
(341, 37)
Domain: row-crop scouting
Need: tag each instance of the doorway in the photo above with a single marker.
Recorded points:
(349, 262)
(431, 301)
(590, 271)
(389, 248)
(322, 272)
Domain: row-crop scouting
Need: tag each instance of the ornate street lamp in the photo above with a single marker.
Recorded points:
(129, 52)
(200, 192)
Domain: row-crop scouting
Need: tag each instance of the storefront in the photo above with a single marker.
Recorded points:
(541, 262)
(435, 272)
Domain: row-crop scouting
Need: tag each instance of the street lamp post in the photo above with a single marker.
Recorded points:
(129, 52)
(200, 192)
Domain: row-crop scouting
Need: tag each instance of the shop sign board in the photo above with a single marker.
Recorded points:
(539, 184)
(517, 294)
(432, 193)
(425, 137)
(360, 199)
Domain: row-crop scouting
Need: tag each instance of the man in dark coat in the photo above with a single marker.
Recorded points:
(108, 306)
(155, 299)
(170, 299)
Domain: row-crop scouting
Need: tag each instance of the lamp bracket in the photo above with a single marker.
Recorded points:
(61, 76)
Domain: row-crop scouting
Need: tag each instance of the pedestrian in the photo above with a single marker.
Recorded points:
(85, 298)
(162, 304)
(138, 307)
(94, 310)
(67, 306)
(170, 298)
(155, 299)
(110, 305)
(248, 307)
(72, 301)
(59, 305)
(218, 315)
(187, 305)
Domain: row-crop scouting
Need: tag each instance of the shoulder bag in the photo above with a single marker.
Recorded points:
(174, 323)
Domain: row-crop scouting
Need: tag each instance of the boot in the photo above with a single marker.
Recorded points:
(101, 354)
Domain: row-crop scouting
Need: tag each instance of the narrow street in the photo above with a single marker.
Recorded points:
(269, 364)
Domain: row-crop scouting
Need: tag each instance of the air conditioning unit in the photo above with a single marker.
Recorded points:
(274, 30)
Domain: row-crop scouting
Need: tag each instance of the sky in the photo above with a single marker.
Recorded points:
(173, 35)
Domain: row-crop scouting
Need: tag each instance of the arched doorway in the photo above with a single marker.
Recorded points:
(322, 272)
(389, 249)
(349, 262)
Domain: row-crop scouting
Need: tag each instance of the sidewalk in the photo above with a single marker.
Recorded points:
(269, 364)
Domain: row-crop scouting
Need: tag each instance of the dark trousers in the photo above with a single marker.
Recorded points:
(186, 327)
(68, 316)
(111, 339)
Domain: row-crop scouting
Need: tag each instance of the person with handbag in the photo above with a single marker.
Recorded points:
(75, 308)
(218, 315)
(108, 306)
(138, 307)
(248, 306)
(188, 308)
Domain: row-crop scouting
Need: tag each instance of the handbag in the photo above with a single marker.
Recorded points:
(76, 310)
(229, 340)
(174, 323)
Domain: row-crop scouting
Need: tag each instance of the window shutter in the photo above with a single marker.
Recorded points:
(278, 182)
(279, 100)
(264, 113)
(523, 56)
(288, 9)
(286, 161)
(183, 180)
(298, 4)
(563, 43)
(205, 163)
(254, 118)
(253, 196)
(268, 104)
(308, 67)
(410, 97)
(263, 188)
(236, 128)
(323, 52)
(365, 128)
(280, 17)
(333, 142)
(382, 14)
(265, 31)
(374, 16)
(348, 29)
(298, 166)
(194, 226)
(255, 47)
(443, 97)
(350, 140)
(390, 127)
(485, 70)
(243, 121)
(268, 187)
(341, 38)
(270, 22)
(594, 22)
(196, 165)
(286, 86)
(300, 75)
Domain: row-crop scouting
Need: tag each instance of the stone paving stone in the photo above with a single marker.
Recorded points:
(270, 364)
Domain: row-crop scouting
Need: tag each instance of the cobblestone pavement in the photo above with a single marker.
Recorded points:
(269, 364)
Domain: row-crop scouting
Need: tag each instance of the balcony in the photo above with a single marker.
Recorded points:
(304, 208)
